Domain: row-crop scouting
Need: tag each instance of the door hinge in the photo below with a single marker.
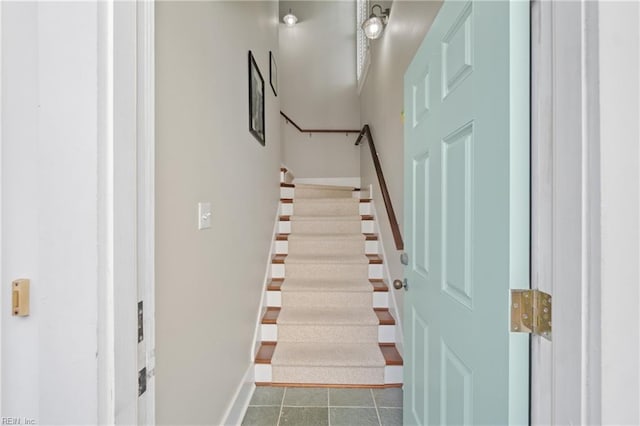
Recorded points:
(531, 312)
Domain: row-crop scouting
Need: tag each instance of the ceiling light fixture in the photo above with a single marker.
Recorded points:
(374, 26)
(290, 19)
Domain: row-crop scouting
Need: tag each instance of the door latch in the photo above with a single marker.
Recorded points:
(531, 312)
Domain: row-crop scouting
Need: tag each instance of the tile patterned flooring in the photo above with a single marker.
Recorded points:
(276, 406)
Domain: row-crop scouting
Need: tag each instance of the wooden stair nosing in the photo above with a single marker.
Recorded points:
(290, 200)
(271, 315)
(287, 218)
(378, 284)
(265, 353)
(275, 284)
(374, 259)
(367, 236)
(287, 185)
(391, 354)
(384, 316)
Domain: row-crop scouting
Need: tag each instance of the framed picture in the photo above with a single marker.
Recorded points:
(273, 73)
(256, 101)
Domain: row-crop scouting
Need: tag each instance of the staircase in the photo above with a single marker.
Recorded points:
(327, 320)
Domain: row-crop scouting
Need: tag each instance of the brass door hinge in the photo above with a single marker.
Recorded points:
(531, 312)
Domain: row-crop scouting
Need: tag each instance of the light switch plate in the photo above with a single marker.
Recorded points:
(204, 215)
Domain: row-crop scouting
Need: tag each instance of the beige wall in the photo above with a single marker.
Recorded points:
(209, 282)
(318, 88)
(381, 105)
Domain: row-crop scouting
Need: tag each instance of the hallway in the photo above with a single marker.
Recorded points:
(272, 406)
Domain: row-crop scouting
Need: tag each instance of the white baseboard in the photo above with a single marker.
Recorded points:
(340, 181)
(238, 406)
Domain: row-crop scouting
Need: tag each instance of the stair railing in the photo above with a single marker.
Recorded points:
(301, 130)
(393, 221)
(366, 131)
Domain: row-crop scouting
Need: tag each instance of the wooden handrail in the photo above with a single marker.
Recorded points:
(316, 130)
(395, 228)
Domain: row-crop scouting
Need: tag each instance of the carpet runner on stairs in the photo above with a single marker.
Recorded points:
(327, 328)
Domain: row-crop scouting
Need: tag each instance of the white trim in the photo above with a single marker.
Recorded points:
(1, 211)
(146, 190)
(238, 407)
(365, 70)
(391, 297)
(265, 295)
(565, 210)
(106, 334)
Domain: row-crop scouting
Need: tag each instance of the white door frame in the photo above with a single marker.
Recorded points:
(127, 197)
(564, 193)
(146, 196)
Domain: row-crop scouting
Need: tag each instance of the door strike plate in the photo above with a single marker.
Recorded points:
(531, 312)
(20, 297)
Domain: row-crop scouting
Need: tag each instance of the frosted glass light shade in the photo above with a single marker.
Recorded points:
(290, 19)
(373, 27)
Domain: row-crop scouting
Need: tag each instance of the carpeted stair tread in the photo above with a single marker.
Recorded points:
(297, 218)
(311, 285)
(316, 201)
(330, 187)
(317, 354)
(328, 316)
(324, 237)
(307, 259)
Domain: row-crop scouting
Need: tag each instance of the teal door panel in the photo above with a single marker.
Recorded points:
(466, 97)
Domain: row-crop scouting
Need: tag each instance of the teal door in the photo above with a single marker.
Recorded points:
(466, 97)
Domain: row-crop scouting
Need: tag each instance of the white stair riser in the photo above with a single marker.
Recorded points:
(370, 247)
(286, 209)
(286, 192)
(375, 272)
(387, 333)
(269, 332)
(392, 374)
(274, 299)
(284, 227)
(380, 299)
(263, 373)
(327, 333)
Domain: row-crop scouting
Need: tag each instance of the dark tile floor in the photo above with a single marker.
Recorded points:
(275, 406)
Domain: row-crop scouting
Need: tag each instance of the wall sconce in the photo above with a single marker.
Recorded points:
(374, 26)
(290, 19)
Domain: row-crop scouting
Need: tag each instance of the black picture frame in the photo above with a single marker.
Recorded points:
(273, 73)
(256, 101)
